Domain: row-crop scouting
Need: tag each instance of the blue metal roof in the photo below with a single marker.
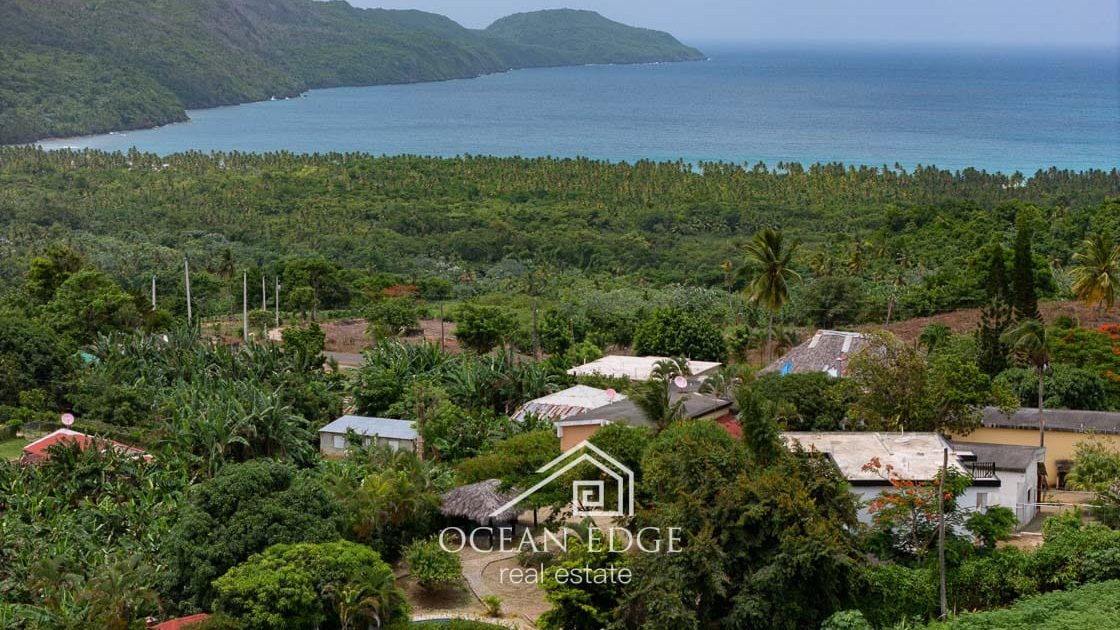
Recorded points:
(382, 427)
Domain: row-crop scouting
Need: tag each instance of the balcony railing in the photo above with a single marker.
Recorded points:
(982, 470)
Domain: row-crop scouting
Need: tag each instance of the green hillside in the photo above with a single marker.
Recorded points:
(75, 66)
(586, 37)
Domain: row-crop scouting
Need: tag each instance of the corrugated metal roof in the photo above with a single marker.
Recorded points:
(382, 427)
(1068, 420)
(827, 351)
(567, 402)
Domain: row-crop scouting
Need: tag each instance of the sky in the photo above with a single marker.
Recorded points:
(1064, 23)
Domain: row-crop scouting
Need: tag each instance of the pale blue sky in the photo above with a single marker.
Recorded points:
(1027, 22)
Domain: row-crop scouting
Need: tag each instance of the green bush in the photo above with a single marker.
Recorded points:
(433, 566)
(481, 328)
(392, 317)
(311, 586)
(677, 333)
(846, 620)
(1094, 606)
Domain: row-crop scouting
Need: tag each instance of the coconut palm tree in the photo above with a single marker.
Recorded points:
(1027, 341)
(1097, 274)
(769, 263)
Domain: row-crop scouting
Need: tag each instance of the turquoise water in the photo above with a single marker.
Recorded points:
(993, 109)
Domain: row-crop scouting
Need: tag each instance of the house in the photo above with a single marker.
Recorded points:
(827, 351)
(568, 402)
(913, 456)
(635, 368)
(1019, 469)
(579, 427)
(39, 450)
(1064, 429)
(396, 434)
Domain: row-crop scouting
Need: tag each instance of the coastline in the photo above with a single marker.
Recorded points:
(275, 97)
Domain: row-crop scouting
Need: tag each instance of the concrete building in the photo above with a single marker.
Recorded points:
(912, 456)
(396, 434)
(1019, 469)
(1064, 429)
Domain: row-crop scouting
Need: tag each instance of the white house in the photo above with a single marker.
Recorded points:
(912, 456)
(1019, 469)
(396, 434)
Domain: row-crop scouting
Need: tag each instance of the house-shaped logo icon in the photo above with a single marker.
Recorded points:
(589, 496)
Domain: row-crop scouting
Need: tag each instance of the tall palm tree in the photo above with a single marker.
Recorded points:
(769, 262)
(1027, 341)
(1097, 274)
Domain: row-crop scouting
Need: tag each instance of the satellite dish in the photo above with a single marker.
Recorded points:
(611, 393)
(67, 419)
(681, 382)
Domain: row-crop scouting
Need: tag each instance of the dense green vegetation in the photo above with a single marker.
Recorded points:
(75, 67)
(542, 265)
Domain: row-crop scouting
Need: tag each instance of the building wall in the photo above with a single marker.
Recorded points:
(1059, 444)
(570, 436)
(968, 501)
(329, 447)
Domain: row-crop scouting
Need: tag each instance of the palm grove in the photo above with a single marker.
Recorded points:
(236, 512)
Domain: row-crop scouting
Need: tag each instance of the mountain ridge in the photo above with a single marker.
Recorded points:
(73, 67)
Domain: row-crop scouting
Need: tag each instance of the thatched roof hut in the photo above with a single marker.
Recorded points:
(478, 501)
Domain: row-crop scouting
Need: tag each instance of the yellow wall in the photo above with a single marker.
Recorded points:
(1059, 444)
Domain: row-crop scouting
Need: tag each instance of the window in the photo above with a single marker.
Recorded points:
(393, 444)
(981, 500)
(340, 442)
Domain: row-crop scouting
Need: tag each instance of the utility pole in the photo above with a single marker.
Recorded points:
(277, 300)
(245, 306)
(187, 273)
(941, 532)
(264, 296)
(441, 347)
(153, 291)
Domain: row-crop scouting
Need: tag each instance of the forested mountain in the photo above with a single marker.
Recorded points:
(73, 66)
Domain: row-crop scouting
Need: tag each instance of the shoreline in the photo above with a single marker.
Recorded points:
(304, 93)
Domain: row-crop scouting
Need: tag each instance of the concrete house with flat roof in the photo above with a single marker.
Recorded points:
(913, 456)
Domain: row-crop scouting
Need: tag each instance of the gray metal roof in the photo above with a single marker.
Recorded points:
(1068, 420)
(381, 427)
(695, 405)
(1006, 456)
(827, 351)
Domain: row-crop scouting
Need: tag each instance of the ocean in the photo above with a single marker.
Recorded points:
(994, 109)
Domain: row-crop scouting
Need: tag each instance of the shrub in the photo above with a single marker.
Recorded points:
(676, 333)
(311, 586)
(433, 566)
(1096, 465)
(846, 620)
(392, 317)
(1065, 387)
(480, 328)
(493, 605)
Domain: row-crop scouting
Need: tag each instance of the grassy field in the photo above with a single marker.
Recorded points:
(11, 448)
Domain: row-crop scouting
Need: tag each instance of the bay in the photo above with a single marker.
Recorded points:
(994, 109)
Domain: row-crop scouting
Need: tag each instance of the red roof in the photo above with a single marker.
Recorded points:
(181, 622)
(38, 450)
(731, 424)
